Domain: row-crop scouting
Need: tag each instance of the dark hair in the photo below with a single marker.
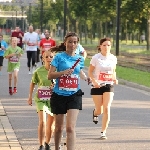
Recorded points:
(1, 35)
(62, 46)
(101, 42)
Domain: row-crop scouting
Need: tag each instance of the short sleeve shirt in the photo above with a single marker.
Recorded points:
(62, 61)
(4, 44)
(40, 78)
(103, 64)
(11, 50)
(80, 49)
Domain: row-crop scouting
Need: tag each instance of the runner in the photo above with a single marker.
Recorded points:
(47, 42)
(42, 100)
(66, 98)
(31, 41)
(81, 51)
(13, 54)
(3, 46)
(19, 34)
(38, 48)
(103, 65)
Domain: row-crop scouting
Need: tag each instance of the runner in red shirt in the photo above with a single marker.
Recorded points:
(19, 34)
(47, 42)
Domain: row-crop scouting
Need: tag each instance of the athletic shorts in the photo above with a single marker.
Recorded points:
(1, 60)
(60, 104)
(102, 90)
(43, 106)
(16, 69)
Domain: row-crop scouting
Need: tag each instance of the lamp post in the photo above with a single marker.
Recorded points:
(118, 4)
(65, 14)
(41, 16)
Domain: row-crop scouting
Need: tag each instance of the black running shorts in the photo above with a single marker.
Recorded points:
(103, 89)
(1, 60)
(60, 104)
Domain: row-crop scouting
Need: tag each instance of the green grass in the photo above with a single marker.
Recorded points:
(132, 75)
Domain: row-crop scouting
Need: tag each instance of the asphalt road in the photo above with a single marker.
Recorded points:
(129, 127)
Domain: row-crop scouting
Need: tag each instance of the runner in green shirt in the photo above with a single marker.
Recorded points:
(13, 54)
(41, 98)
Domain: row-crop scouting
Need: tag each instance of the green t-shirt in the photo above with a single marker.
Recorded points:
(13, 62)
(40, 78)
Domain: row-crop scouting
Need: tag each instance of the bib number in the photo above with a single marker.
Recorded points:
(68, 83)
(105, 77)
(44, 94)
(14, 59)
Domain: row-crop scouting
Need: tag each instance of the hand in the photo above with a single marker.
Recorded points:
(115, 81)
(68, 71)
(96, 85)
(2, 47)
(29, 101)
(89, 81)
(20, 35)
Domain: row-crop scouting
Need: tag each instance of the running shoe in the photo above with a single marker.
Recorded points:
(103, 136)
(47, 146)
(95, 118)
(41, 147)
(15, 90)
(33, 69)
(10, 91)
(29, 72)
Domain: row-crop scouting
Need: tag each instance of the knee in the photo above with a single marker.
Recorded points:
(70, 129)
(41, 123)
(58, 128)
(106, 110)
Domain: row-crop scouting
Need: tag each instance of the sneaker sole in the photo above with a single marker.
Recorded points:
(103, 138)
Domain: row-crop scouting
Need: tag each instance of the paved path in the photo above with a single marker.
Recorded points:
(129, 128)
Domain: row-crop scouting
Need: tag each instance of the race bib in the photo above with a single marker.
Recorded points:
(14, 59)
(68, 83)
(105, 77)
(44, 93)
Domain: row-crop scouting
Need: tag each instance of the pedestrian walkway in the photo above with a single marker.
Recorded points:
(8, 140)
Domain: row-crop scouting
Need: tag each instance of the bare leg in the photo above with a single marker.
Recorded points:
(70, 128)
(15, 78)
(49, 128)
(98, 101)
(10, 80)
(59, 121)
(41, 127)
(107, 100)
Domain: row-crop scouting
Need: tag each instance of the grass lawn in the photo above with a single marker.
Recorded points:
(132, 75)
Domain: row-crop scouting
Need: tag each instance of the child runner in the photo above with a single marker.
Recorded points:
(13, 54)
(42, 102)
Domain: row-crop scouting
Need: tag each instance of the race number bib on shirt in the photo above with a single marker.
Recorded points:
(14, 59)
(105, 76)
(68, 83)
(47, 46)
(44, 93)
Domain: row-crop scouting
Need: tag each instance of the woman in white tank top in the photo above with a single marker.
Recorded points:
(102, 73)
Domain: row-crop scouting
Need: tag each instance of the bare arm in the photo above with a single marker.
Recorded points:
(90, 74)
(52, 74)
(32, 85)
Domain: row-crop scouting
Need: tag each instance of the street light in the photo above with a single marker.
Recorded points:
(65, 14)
(118, 4)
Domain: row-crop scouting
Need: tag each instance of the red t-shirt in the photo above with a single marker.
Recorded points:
(47, 44)
(16, 34)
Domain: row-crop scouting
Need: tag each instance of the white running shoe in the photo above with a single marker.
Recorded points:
(33, 69)
(103, 136)
(29, 72)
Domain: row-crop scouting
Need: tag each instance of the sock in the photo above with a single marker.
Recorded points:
(10, 87)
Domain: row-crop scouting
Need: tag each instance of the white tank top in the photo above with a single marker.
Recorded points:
(104, 66)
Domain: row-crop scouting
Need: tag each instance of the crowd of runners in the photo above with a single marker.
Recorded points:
(56, 70)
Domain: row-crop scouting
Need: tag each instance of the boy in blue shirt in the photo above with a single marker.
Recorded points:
(3, 46)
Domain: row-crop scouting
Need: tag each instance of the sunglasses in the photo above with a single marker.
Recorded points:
(49, 56)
